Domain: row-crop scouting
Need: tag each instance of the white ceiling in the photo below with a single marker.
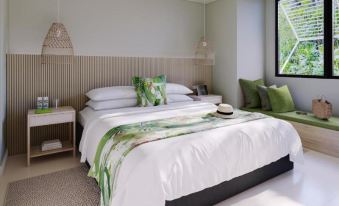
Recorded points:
(202, 1)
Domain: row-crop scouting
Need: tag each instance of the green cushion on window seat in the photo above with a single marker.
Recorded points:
(309, 119)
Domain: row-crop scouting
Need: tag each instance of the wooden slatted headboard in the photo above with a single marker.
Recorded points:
(28, 79)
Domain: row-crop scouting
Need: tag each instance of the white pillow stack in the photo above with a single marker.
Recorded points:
(112, 98)
(112, 104)
(178, 93)
(112, 93)
(125, 96)
(174, 98)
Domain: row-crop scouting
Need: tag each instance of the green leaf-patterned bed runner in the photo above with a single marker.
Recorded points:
(119, 141)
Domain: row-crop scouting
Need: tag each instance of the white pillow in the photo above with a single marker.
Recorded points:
(112, 104)
(172, 98)
(112, 93)
(128, 92)
(172, 88)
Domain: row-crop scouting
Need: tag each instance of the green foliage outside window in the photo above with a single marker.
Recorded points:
(286, 39)
(301, 51)
(336, 57)
(307, 59)
(301, 37)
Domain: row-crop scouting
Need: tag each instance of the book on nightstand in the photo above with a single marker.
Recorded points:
(51, 145)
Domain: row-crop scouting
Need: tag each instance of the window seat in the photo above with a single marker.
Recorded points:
(316, 134)
(309, 119)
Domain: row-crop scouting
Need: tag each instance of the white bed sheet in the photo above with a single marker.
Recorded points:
(169, 169)
(88, 113)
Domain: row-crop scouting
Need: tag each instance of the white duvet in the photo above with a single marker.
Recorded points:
(169, 169)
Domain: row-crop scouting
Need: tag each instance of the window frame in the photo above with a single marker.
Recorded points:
(328, 45)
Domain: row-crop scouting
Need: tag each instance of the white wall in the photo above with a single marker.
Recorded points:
(238, 29)
(251, 41)
(3, 46)
(169, 28)
(221, 31)
(303, 90)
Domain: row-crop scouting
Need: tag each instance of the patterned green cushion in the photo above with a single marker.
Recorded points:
(281, 99)
(265, 101)
(249, 88)
(150, 91)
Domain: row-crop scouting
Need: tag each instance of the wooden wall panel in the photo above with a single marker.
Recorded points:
(27, 79)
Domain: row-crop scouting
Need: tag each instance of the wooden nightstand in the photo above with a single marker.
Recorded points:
(57, 116)
(214, 99)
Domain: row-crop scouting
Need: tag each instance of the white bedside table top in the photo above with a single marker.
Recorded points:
(60, 110)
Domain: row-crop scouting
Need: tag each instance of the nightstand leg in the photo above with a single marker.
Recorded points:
(28, 146)
(70, 132)
(74, 141)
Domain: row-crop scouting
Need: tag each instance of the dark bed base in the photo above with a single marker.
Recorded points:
(79, 130)
(227, 189)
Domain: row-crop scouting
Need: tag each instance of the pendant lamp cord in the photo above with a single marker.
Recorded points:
(58, 7)
(204, 20)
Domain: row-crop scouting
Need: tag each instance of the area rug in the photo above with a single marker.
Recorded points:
(65, 188)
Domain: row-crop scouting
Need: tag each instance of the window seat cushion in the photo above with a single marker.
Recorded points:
(309, 119)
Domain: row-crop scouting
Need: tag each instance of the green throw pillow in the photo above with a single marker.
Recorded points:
(281, 99)
(249, 88)
(265, 100)
(150, 91)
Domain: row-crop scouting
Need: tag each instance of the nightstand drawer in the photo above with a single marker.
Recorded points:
(42, 120)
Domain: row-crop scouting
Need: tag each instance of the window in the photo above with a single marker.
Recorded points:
(307, 43)
(336, 39)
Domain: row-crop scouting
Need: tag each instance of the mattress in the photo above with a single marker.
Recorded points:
(88, 113)
(169, 169)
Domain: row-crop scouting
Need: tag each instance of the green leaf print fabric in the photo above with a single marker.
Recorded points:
(150, 91)
(119, 141)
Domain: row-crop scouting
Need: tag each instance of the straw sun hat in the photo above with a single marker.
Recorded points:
(226, 111)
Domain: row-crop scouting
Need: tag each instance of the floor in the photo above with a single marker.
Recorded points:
(316, 183)
(16, 168)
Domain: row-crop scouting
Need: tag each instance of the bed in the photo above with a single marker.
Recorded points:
(201, 168)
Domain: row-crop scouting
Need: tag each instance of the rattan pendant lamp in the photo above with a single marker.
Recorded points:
(204, 54)
(57, 47)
